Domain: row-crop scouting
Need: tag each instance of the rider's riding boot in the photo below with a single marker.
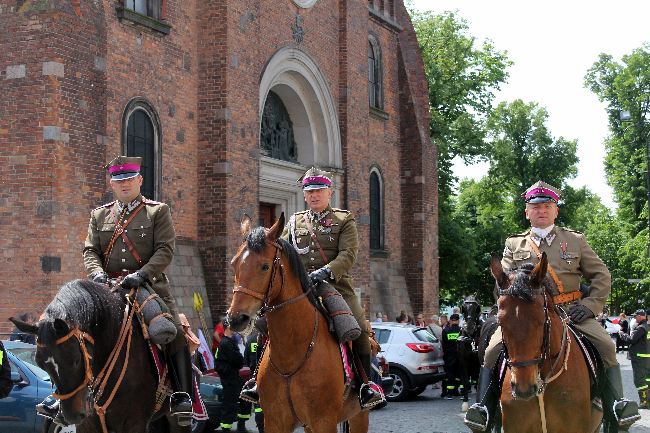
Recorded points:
(479, 414)
(626, 411)
(370, 394)
(643, 398)
(181, 401)
(249, 391)
(49, 407)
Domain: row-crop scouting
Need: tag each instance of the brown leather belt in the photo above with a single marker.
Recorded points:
(565, 298)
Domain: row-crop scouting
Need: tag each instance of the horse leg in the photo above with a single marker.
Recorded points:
(360, 422)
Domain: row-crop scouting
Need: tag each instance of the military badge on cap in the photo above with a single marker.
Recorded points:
(315, 178)
(124, 167)
(541, 192)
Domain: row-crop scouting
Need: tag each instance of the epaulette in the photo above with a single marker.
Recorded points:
(302, 211)
(571, 230)
(151, 202)
(519, 235)
(335, 209)
(105, 205)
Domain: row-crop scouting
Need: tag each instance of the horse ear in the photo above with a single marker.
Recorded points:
(29, 328)
(539, 271)
(497, 271)
(61, 327)
(245, 225)
(276, 229)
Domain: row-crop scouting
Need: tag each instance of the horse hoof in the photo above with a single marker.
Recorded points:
(464, 407)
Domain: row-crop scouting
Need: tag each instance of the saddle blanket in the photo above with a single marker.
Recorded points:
(200, 412)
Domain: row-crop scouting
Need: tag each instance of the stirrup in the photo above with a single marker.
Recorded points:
(183, 415)
(249, 392)
(626, 412)
(370, 395)
(474, 424)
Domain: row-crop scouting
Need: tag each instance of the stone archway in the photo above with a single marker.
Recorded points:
(296, 79)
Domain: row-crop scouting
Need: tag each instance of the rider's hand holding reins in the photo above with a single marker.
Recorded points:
(579, 313)
(134, 280)
(319, 275)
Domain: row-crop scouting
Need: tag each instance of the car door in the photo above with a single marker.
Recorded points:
(17, 410)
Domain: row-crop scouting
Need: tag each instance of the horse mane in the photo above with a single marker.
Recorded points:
(84, 304)
(521, 288)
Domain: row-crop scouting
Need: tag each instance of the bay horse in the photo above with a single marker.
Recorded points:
(468, 347)
(76, 338)
(546, 387)
(300, 376)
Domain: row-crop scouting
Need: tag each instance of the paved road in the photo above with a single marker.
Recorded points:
(428, 413)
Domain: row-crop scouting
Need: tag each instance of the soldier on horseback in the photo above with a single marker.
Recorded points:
(132, 239)
(326, 239)
(569, 259)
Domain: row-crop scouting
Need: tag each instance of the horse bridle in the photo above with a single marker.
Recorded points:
(82, 338)
(266, 296)
(545, 348)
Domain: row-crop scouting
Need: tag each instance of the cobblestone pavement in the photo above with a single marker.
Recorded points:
(428, 413)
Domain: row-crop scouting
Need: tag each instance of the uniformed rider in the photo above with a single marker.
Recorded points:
(571, 258)
(326, 239)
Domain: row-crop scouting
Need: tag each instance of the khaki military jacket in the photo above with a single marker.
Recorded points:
(337, 234)
(151, 232)
(571, 257)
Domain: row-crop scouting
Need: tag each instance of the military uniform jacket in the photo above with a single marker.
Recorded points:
(571, 258)
(151, 232)
(337, 234)
(638, 341)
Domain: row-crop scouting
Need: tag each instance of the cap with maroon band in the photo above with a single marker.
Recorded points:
(124, 167)
(541, 192)
(315, 178)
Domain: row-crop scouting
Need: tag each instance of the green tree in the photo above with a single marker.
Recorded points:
(625, 86)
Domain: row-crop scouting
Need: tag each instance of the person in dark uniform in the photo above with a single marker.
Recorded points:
(327, 241)
(6, 385)
(640, 355)
(450, 355)
(569, 259)
(132, 239)
(252, 355)
(228, 362)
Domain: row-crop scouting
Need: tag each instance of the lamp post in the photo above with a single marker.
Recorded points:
(625, 116)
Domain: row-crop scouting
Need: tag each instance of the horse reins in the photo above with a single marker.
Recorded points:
(267, 298)
(97, 385)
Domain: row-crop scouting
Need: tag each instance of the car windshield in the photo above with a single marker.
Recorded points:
(423, 334)
(27, 355)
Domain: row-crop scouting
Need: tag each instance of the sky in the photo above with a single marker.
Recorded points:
(552, 44)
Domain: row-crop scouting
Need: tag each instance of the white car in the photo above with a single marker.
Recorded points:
(414, 358)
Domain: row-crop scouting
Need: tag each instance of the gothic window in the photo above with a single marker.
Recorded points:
(375, 87)
(276, 134)
(150, 8)
(376, 211)
(140, 139)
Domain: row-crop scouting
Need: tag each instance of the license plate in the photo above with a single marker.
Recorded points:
(69, 429)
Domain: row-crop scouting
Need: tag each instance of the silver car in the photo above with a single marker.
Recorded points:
(414, 358)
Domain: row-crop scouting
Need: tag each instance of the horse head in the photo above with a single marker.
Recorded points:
(525, 324)
(65, 353)
(471, 311)
(258, 272)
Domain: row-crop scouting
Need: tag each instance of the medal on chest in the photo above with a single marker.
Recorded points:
(563, 253)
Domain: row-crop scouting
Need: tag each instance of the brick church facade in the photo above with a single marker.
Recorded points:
(228, 102)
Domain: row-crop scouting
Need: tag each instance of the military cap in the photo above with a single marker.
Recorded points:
(454, 316)
(541, 192)
(124, 167)
(315, 178)
(640, 312)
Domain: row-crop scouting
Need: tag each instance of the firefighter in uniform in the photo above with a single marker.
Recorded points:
(327, 241)
(132, 239)
(450, 355)
(639, 350)
(228, 362)
(252, 355)
(571, 257)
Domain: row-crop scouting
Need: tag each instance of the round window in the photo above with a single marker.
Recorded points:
(305, 3)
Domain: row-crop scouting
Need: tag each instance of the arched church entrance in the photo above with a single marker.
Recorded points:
(298, 128)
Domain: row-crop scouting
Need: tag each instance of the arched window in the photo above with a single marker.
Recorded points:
(376, 211)
(375, 88)
(141, 138)
(276, 134)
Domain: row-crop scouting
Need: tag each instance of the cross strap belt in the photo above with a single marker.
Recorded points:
(315, 239)
(563, 297)
(120, 231)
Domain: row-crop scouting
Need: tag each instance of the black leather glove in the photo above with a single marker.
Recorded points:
(99, 277)
(584, 289)
(134, 280)
(579, 313)
(319, 275)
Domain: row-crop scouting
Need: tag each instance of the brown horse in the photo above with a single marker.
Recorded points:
(547, 384)
(300, 377)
